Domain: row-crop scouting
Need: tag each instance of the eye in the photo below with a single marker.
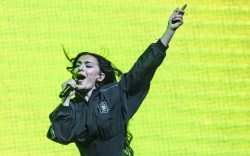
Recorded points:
(88, 65)
(77, 65)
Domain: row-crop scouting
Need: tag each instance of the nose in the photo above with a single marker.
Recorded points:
(81, 68)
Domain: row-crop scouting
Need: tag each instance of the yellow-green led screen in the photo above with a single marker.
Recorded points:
(198, 104)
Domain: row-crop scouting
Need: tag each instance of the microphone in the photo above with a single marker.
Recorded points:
(65, 92)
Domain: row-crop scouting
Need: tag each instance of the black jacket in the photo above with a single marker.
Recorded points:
(97, 126)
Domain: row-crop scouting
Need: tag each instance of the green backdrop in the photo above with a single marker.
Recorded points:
(198, 105)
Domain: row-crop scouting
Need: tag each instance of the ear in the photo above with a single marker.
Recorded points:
(101, 77)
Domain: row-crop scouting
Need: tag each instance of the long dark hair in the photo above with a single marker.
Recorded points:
(127, 148)
(112, 74)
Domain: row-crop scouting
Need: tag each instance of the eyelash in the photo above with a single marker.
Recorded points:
(88, 66)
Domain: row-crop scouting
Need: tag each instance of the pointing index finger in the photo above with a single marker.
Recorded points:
(184, 6)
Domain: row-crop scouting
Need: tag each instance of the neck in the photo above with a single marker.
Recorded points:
(86, 93)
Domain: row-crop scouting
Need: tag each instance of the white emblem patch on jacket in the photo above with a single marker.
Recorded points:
(103, 107)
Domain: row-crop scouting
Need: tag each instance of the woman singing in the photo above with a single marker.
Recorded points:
(104, 100)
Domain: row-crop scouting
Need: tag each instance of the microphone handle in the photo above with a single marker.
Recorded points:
(65, 92)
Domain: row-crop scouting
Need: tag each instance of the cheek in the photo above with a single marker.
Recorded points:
(75, 70)
(74, 74)
(93, 73)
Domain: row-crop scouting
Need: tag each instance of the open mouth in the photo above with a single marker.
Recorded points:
(80, 78)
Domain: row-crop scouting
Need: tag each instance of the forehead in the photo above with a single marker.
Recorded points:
(87, 58)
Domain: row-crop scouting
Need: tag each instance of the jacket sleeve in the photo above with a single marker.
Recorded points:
(135, 84)
(62, 124)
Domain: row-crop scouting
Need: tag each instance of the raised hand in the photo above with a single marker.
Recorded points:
(174, 22)
(176, 19)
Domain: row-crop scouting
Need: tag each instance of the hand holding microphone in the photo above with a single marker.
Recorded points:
(68, 88)
(65, 92)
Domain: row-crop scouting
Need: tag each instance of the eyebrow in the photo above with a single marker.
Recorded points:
(86, 62)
